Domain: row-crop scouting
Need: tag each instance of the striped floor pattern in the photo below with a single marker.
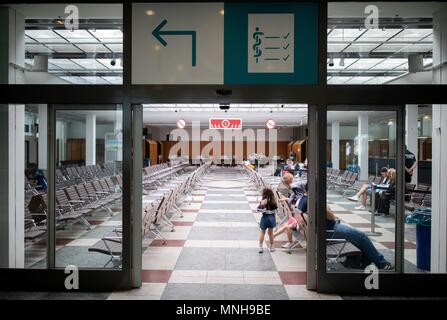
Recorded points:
(213, 252)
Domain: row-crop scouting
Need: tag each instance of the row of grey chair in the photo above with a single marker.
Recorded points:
(154, 215)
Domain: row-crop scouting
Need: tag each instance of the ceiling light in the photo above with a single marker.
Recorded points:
(331, 62)
(150, 12)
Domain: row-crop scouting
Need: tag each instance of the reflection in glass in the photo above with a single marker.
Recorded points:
(398, 48)
(361, 190)
(88, 188)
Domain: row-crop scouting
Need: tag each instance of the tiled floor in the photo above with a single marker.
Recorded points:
(74, 240)
(215, 251)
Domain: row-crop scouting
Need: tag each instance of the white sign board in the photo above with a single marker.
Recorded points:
(177, 43)
(271, 43)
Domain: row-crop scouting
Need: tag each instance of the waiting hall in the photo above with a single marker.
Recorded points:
(219, 151)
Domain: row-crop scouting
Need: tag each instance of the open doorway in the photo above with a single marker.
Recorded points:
(205, 167)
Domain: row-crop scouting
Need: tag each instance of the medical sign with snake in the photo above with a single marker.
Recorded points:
(257, 37)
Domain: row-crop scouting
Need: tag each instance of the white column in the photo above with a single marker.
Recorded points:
(119, 134)
(12, 197)
(43, 137)
(12, 155)
(90, 140)
(18, 151)
(335, 146)
(12, 64)
(439, 150)
(411, 138)
(392, 139)
(363, 153)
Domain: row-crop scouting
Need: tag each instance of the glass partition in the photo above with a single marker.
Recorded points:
(377, 43)
(61, 44)
(89, 154)
(421, 163)
(361, 190)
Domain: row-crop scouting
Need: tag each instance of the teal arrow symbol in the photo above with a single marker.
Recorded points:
(158, 33)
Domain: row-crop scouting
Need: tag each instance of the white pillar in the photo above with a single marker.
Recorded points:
(411, 138)
(363, 153)
(12, 64)
(439, 150)
(335, 147)
(43, 137)
(90, 140)
(392, 139)
(12, 197)
(119, 134)
(12, 137)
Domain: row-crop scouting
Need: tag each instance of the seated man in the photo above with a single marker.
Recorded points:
(289, 167)
(365, 190)
(340, 230)
(299, 190)
(284, 187)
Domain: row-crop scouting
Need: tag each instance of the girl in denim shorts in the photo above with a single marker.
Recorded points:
(268, 207)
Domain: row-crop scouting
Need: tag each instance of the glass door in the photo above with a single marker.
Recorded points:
(88, 216)
(360, 229)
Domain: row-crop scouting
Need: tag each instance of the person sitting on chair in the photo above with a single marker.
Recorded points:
(339, 230)
(294, 221)
(365, 190)
(284, 187)
(386, 194)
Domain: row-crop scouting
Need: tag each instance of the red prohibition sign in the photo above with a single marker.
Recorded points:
(270, 124)
(181, 124)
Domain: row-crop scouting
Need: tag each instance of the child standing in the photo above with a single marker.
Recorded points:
(268, 208)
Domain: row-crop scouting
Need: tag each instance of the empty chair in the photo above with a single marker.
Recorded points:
(68, 210)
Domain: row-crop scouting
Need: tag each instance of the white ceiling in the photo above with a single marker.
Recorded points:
(252, 115)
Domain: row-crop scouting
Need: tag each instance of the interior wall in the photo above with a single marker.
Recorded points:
(281, 149)
(377, 131)
(160, 133)
(76, 130)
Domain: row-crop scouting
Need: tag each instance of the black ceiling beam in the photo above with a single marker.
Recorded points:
(81, 55)
(381, 55)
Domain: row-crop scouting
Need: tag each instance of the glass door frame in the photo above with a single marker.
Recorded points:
(344, 282)
(91, 278)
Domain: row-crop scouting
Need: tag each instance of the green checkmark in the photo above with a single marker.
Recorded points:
(287, 35)
(286, 58)
(286, 47)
